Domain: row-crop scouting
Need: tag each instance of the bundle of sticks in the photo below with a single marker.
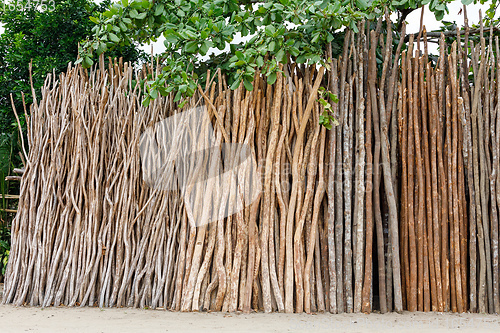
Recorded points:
(413, 166)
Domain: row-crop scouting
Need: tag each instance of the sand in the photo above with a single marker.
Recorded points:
(64, 319)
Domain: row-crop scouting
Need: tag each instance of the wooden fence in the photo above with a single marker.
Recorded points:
(396, 208)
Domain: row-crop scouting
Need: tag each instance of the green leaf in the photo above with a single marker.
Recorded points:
(354, 26)
(235, 84)
(190, 34)
(146, 101)
(204, 48)
(491, 13)
(324, 120)
(153, 93)
(272, 46)
(439, 15)
(301, 59)
(244, 31)
(329, 37)
(177, 96)
(125, 3)
(133, 13)
(271, 78)
(316, 37)
(163, 91)
(399, 3)
(281, 56)
(114, 38)
(191, 47)
(362, 4)
(159, 9)
(240, 55)
(270, 31)
(259, 61)
(171, 38)
(101, 48)
(248, 85)
(93, 19)
(333, 97)
(87, 62)
(294, 51)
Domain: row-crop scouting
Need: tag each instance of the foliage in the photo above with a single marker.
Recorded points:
(490, 13)
(275, 32)
(327, 118)
(4, 248)
(7, 159)
(49, 38)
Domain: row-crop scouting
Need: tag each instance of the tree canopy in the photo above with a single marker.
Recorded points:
(273, 31)
(49, 38)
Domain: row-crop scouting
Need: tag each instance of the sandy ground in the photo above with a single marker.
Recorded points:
(64, 319)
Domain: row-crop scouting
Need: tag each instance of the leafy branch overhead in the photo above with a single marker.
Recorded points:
(273, 32)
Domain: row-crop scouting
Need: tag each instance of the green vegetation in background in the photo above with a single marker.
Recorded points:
(4, 249)
(282, 30)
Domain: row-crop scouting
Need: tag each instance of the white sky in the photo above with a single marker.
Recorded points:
(430, 22)
(413, 23)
